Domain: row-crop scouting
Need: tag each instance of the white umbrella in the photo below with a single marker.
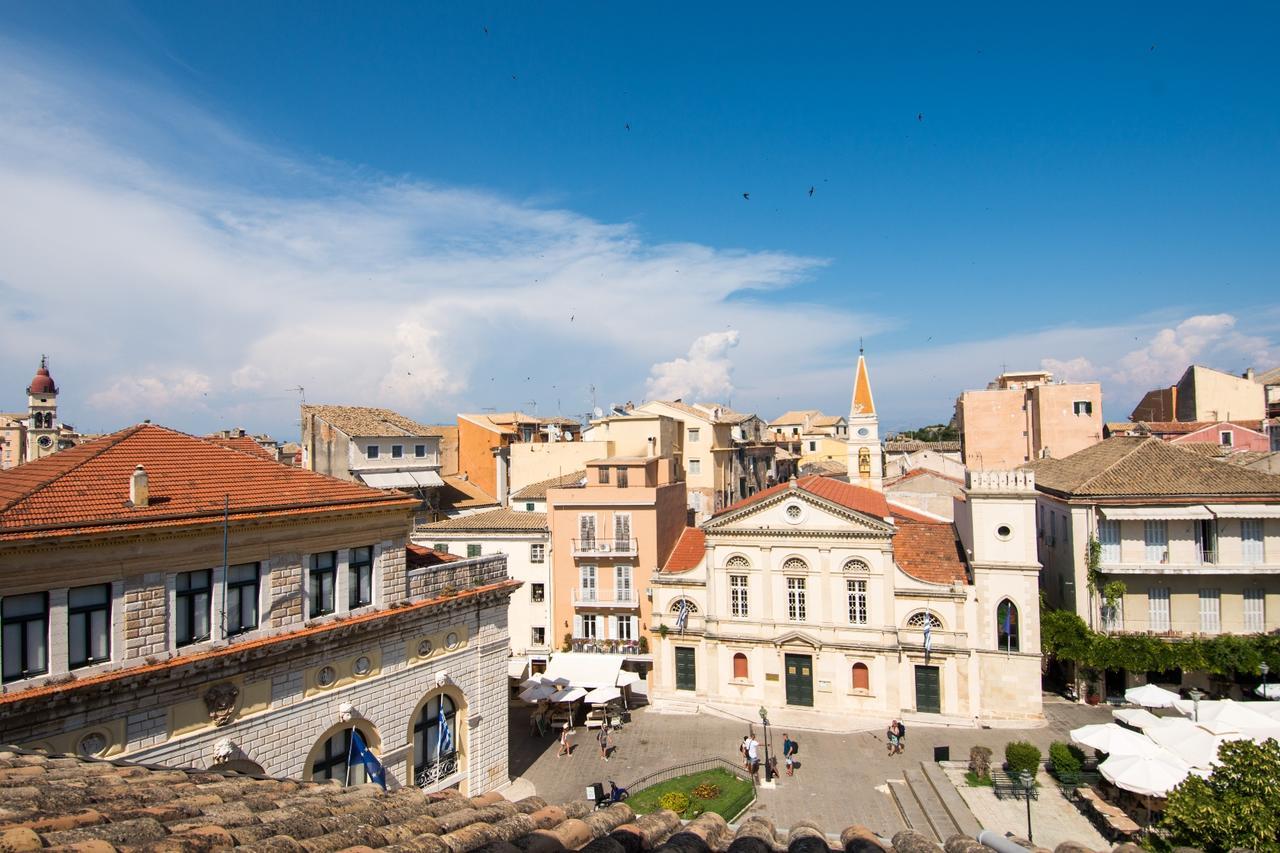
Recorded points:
(532, 681)
(1193, 745)
(626, 678)
(1268, 691)
(1150, 696)
(1113, 740)
(1152, 775)
(602, 695)
(1138, 718)
(569, 694)
(538, 692)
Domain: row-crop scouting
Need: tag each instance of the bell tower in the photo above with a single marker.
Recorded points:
(42, 414)
(866, 461)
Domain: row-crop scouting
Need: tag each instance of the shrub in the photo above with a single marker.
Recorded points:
(1235, 807)
(1022, 756)
(706, 791)
(1065, 757)
(675, 801)
(644, 645)
(980, 762)
(568, 642)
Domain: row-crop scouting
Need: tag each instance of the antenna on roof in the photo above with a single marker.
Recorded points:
(302, 392)
(859, 345)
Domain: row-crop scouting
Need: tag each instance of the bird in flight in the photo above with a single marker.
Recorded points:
(747, 196)
(919, 116)
(627, 125)
(571, 316)
(811, 192)
(486, 31)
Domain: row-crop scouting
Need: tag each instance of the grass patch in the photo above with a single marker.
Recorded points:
(976, 781)
(735, 794)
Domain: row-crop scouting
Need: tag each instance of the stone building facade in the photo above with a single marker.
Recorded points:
(205, 607)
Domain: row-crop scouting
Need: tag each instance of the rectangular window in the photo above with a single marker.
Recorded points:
(397, 451)
(1113, 616)
(1255, 610)
(857, 590)
(473, 550)
(626, 630)
(526, 434)
(602, 475)
(587, 583)
(813, 445)
(695, 466)
(88, 625)
(1109, 537)
(1224, 438)
(622, 478)
(442, 547)
(537, 553)
(324, 571)
(1207, 540)
(1083, 407)
(1210, 611)
(587, 532)
(26, 635)
(795, 599)
(693, 435)
(371, 452)
(622, 531)
(193, 592)
(1251, 540)
(360, 577)
(538, 637)
(420, 451)
(622, 582)
(738, 595)
(1158, 608)
(1155, 535)
(528, 507)
(537, 592)
(589, 631)
(242, 598)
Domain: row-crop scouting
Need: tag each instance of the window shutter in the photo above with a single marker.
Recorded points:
(612, 629)
(635, 627)
(577, 626)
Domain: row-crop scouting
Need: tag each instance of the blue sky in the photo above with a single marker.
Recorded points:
(217, 202)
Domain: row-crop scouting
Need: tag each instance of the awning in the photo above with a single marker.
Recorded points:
(627, 678)
(402, 480)
(1246, 510)
(585, 669)
(516, 667)
(569, 694)
(602, 696)
(1155, 513)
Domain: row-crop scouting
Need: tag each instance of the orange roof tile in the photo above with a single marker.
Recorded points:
(847, 495)
(86, 488)
(244, 444)
(688, 553)
(928, 550)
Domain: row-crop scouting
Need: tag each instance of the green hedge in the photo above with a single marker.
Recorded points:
(1066, 758)
(1022, 756)
(1064, 635)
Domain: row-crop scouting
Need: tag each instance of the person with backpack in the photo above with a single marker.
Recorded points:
(564, 742)
(789, 750)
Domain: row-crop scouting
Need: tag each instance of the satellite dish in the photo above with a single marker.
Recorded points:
(597, 412)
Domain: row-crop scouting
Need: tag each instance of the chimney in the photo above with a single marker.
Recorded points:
(139, 495)
(502, 462)
(1248, 374)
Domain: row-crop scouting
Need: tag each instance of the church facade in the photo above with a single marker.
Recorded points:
(39, 433)
(822, 595)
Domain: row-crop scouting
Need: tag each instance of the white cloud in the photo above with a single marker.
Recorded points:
(704, 375)
(152, 391)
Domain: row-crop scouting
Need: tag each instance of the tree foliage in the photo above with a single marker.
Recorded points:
(1238, 806)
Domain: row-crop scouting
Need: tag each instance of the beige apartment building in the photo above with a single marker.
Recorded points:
(1194, 539)
(1205, 394)
(167, 599)
(1022, 416)
(709, 448)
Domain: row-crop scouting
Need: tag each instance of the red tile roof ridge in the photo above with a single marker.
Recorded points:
(689, 551)
(914, 514)
(848, 495)
(79, 455)
(235, 648)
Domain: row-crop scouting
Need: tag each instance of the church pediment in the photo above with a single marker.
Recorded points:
(797, 638)
(796, 512)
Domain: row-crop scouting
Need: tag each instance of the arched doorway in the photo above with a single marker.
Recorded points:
(438, 756)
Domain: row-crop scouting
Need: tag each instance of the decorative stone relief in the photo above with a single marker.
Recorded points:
(442, 678)
(220, 700)
(224, 750)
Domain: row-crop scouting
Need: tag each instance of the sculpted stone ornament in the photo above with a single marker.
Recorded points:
(220, 700)
(442, 678)
(224, 750)
(346, 712)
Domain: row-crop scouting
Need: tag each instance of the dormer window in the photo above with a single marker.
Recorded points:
(1224, 438)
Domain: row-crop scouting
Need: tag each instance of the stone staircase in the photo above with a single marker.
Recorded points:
(930, 804)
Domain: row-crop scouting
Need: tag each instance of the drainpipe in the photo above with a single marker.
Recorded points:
(998, 842)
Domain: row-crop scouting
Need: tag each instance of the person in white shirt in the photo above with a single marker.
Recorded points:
(753, 756)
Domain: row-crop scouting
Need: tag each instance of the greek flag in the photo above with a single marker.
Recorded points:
(682, 617)
(372, 766)
(444, 744)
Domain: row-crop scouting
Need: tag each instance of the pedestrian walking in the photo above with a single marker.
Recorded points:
(753, 756)
(564, 741)
(603, 737)
(742, 752)
(891, 737)
(789, 750)
(902, 735)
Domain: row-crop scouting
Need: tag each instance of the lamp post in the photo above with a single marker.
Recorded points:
(764, 720)
(1028, 785)
(1196, 695)
(1264, 669)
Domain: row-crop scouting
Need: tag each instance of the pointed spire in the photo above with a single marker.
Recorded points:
(863, 402)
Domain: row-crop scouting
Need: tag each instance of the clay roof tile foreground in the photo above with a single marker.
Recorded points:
(86, 488)
(500, 520)
(928, 550)
(536, 491)
(369, 421)
(70, 802)
(690, 548)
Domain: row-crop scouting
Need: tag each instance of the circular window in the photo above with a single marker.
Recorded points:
(326, 676)
(425, 648)
(451, 641)
(794, 513)
(1003, 531)
(94, 743)
(362, 666)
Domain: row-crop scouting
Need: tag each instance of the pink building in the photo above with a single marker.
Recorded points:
(1023, 416)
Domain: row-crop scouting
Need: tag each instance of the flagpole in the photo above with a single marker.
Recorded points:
(351, 747)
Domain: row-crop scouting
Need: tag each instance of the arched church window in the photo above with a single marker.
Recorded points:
(1007, 626)
(795, 564)
(864, 461)
(920, 619)
(739, 665)
(861, 677)
(435, 741)
(737, 561)
(675, 605)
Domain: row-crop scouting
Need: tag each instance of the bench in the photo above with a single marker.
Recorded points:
(1005, 785)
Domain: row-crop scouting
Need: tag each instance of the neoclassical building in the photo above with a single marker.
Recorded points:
(171, 600)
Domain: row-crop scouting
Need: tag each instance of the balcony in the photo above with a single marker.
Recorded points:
(606, 647)
(592, 597)
(605, 548)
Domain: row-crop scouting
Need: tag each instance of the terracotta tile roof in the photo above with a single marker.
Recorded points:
(825, 468)
(794, 417)
(506, 422)
(911, 446)
(465, 494)
(927, 549)
(921, 472)
(422, 557)
(368, 421)
(86, 488)
(493, 521)
(68, 802)
(1132, 466)
(689, 551)
(244, 444)
(538, 490)
(706, 411)
(857, 498)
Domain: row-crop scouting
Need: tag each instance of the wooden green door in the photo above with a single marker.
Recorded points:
(928, 690)
(686, 669)
(799, 680)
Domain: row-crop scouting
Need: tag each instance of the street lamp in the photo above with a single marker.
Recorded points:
(1264, 669)
(1196, 695)
(1028, 786)
(764, 719)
